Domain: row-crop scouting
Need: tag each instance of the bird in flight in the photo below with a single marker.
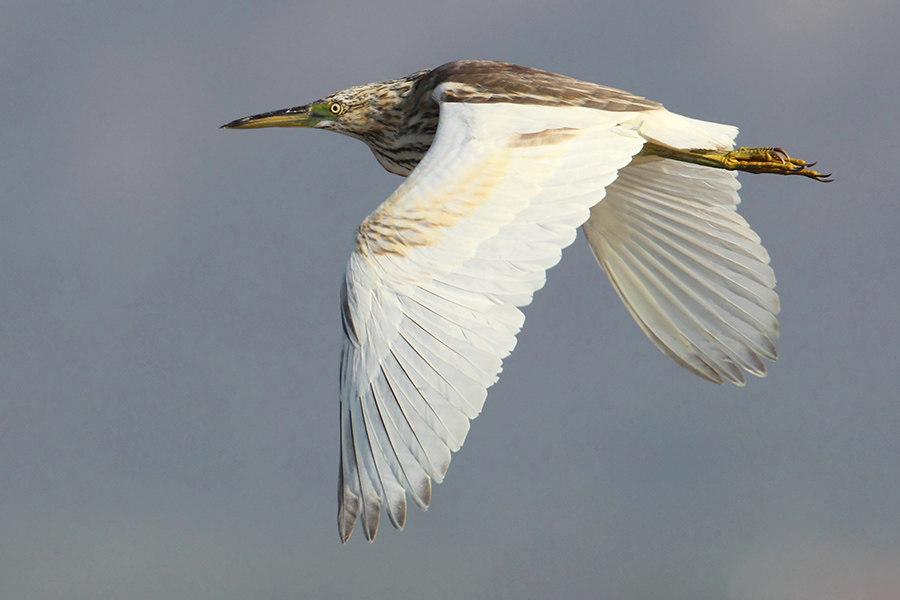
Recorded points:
(503, 163)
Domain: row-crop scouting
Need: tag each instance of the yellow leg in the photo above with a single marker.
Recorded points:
(752, 160)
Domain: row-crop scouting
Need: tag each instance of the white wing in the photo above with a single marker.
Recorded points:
(688, 267)
(432, 288)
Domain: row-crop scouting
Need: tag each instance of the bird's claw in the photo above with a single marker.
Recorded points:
(766, 160)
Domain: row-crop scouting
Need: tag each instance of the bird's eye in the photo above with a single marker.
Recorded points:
(336, 108)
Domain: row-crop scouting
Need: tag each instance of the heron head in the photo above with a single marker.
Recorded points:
(362, 112)
(396, 119)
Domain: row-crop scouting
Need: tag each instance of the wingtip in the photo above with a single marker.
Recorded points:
(370, 526)
(348, 511)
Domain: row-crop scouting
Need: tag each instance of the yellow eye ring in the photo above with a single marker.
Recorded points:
(336, 108)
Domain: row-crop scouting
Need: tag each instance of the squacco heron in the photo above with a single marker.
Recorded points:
(503, 163)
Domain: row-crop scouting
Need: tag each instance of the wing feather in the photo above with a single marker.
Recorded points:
(433, 288)
(430, 303)
(688, 267)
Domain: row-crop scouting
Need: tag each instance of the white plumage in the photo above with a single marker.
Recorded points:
(432, 292)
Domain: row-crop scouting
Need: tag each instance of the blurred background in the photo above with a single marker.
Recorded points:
(169, 324)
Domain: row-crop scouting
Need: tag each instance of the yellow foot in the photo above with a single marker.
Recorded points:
(752, 160)
(763, 160)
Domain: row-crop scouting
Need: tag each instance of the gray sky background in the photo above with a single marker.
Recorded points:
(170, 324)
